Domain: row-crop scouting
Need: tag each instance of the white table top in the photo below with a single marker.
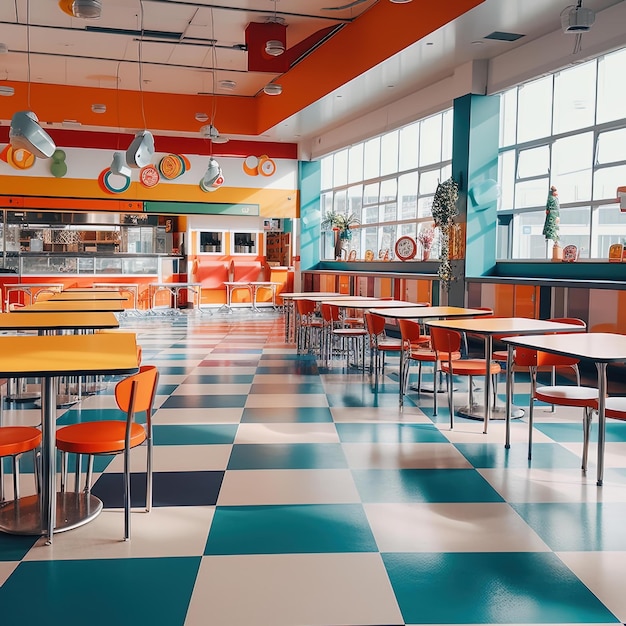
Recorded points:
(291, 295)
(423, 312)
(369, 303)
(175, 285)
(504, 325)
(598, 347)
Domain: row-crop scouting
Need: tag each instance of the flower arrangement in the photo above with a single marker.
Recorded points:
(444, 210)
(426, 237)
(342, 224)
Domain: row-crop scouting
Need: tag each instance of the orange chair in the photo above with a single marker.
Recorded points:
(416, 347)
(380, 344)
(447, 343)
(560, 395)
(133, 394)
(308, 325)
(14, 441)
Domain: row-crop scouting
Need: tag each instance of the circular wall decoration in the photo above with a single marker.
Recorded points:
(406, 248)
(251, 165)
(267, 167)
(19, 158)
(148, 176)
(171, 167)
(113, 183)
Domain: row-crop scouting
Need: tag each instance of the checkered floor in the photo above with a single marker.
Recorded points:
(291, 494)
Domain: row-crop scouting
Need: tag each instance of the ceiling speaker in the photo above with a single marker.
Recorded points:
(577, 20)
(27, 134)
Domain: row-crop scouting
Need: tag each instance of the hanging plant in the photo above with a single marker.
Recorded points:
(444, 210)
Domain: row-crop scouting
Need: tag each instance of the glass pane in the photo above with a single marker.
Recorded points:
(340, 201)
(610, 229)
(326, 203)
(506, 179)
(610, 147)
(326, 167)
(407, 229)
(531, 193)
(371, 167)
(407, 193)
(446, 135)
(572, 167)
(430, 140)
(355, 200)
(388, 190)
(389, 212)
(355, 163)
(508, 117)
(388, 240)
(429, 181)
(424, 207)
(575, 98)
(528, 239)
(607, 180)
(340, 175)
(389, 153)
(370, 194)
(370, 214)
(409, 146)
(370, 239)
(533, 162)
(534, 113)
(611, 86)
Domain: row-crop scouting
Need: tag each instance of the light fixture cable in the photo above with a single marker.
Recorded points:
(140, 53)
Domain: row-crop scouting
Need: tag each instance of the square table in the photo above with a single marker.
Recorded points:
(95, 306)
(601, 348)
(48, 357)
(490, 326)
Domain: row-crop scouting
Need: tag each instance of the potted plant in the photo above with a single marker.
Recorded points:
(426, 237)
(342, 224)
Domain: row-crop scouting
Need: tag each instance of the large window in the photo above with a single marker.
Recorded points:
(388, 183)
(567, 130)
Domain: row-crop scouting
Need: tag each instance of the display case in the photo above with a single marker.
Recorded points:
(118, 264)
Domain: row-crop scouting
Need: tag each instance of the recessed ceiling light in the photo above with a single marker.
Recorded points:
(87, 9)
(227, 84)
(6, 90)
(400, 1)
(202, 117)
(273, 89)
(274, 47)
(99, 108)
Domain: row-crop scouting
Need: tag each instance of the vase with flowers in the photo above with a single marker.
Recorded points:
(425, 238)
(342, 224)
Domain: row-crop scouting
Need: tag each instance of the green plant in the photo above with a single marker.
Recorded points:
(341, 222)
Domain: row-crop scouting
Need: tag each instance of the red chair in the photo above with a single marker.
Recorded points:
(559, 395)
(308, 325)
(416, 348)
(133, 394)
(380, 344)
(446, 343)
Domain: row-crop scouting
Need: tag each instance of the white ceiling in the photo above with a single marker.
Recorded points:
(46, 45)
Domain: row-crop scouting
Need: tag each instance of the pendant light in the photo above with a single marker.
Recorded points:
(25, 132)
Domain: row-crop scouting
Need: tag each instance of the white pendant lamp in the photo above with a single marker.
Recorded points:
(26, 134)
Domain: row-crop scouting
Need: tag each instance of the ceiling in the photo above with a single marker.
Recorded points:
(175, 56)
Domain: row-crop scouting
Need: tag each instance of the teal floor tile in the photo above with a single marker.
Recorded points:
(389, 433)
(15, 547)
(491, 588)
(424, 485)
(577, 526)
(75, 593)
(545, 455)
(287, 414)
(288, 388)
(308, 528)
(287, 456)
(194, 434)
(615, 432)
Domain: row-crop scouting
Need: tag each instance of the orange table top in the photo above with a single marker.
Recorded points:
(95, 306)
(58, 321)
(71, 355)
(417, 312)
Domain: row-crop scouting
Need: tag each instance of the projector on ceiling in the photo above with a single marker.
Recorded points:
(577, 19)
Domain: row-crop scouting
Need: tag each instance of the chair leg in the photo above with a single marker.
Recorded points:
(531, 411)
(1, 480)
(450, 384)
(587, 417)
(149, 477)
(126, 496)
(435, 371)
(89, 476)
(77, 473)
(63, 471)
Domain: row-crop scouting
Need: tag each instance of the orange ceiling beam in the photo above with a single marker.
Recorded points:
(379, 33)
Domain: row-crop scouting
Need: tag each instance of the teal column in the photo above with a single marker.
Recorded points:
(309, 183)
(475, 142)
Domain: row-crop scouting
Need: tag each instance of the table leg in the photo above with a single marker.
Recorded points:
(488, 381)
(509, 395)
(48, 454)
(602, 386)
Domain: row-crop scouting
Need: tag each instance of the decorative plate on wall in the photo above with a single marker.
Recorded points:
(406, 248)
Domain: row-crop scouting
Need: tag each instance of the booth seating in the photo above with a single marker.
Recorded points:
(211, 275)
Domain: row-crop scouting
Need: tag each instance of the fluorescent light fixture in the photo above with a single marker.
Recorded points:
(273, 89)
